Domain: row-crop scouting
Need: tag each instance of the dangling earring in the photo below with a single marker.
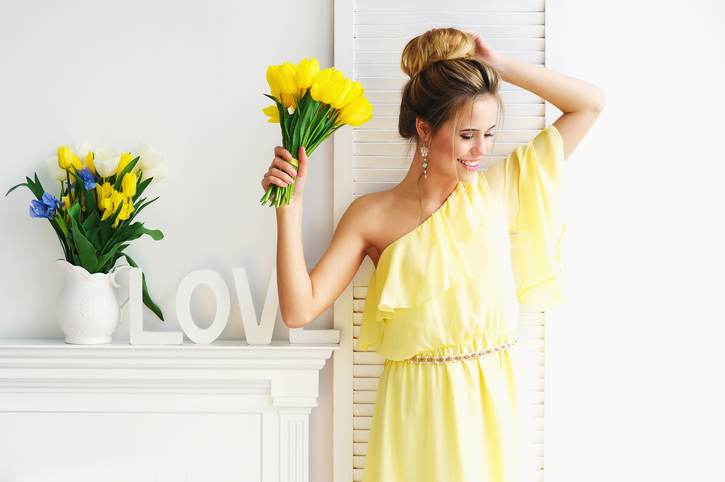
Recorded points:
(424, 153)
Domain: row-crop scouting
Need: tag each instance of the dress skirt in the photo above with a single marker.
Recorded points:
(452, 421)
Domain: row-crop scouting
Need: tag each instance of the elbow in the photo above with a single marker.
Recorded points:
(294, 323)
(599, 100)
(294, 320)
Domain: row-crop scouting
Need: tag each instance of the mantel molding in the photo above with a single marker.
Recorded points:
(286, 372)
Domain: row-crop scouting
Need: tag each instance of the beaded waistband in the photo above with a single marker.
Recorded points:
(461, 356)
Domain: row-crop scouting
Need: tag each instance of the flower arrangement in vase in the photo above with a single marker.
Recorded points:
(94, 220)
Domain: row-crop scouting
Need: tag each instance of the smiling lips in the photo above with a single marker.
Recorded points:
(469, 164)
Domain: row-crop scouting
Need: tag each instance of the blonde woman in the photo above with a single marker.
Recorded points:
(456, 245)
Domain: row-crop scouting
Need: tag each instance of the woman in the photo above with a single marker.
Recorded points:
(456, 250)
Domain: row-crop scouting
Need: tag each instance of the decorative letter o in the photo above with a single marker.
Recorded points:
(183, 305)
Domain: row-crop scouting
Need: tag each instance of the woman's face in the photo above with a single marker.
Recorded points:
(470, 142)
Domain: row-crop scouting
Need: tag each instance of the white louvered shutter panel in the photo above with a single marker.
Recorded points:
(381, 158)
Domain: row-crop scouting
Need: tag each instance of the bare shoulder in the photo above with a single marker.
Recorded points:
(370, 214)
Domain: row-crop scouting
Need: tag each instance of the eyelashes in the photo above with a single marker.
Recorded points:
(471, 137)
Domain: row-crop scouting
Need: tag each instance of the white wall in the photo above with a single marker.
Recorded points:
(645, 247)
(188, 78)
(645, 255)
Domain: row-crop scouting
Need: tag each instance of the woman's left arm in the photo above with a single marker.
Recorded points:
(580, 101)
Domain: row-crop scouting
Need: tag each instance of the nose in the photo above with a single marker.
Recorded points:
(478, 149)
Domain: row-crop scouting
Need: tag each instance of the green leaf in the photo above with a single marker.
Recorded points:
(17, 186)
(91, 221)
(140, 207)
(92, 228)
(61, 224)
(156, 234)
(86, 251)
(35, 188)
(54, 223)
(141, 188)
(75, 211)
(103, 260)
(39, 187)
(146, 297)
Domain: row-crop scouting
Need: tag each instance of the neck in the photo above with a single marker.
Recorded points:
(431, 191)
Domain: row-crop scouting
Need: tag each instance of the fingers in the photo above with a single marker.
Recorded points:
(280, 172)
(274, 176)
(280, 151)
(274, 171)
(282, 155)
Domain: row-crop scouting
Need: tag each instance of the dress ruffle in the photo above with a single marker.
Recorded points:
(538, 228)
(442, 253)
(441, 241)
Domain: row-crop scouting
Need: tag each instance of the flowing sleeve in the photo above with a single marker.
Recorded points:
(534, 195)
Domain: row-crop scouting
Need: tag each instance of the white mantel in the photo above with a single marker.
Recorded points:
(266, 391)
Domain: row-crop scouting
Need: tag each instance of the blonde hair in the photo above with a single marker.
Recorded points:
(445, 77)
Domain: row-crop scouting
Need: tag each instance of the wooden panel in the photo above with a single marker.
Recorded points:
(381, 158)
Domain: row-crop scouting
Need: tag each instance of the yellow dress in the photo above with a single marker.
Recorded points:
(452, 286)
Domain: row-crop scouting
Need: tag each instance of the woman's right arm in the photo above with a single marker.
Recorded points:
(304, 296)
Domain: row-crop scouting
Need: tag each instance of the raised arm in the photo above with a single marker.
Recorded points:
(580, 101)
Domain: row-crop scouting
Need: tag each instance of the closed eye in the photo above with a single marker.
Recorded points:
(471, 137)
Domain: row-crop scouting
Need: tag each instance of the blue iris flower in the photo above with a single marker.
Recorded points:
(89, 180)
(44, 208)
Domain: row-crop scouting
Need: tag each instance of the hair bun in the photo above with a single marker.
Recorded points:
(433, 46)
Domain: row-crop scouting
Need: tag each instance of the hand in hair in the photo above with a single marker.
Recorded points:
(484, 51)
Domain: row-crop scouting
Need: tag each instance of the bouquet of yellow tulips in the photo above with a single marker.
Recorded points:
(99, 198)
(310, 104)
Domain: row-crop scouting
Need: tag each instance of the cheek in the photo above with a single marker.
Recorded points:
(461, 148)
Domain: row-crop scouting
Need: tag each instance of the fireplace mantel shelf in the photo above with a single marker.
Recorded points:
(288, 372)
(269, 390)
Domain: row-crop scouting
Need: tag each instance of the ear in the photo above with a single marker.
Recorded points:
(422, 128)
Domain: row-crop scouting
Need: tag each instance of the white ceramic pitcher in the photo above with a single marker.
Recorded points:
(87, 309)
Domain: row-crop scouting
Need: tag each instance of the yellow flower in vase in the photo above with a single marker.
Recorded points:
(128, 184)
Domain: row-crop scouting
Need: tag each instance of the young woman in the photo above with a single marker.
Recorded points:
(457, 245)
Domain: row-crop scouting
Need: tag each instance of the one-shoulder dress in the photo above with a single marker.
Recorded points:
(442, 308)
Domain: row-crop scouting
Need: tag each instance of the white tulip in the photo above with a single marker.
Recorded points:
(158, 173)
(54, 169)
(82, 150)
(106, 162)
(151, 163)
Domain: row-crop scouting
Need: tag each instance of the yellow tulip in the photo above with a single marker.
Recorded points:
(305, 73)
(125, 212)
(103, 192)
(321, 84)
(66, 159)
(273, 113)
(128, 184)
(126, 157)
(111, 203)
(339, 93)
(66, 202)
(356, 113)
(89, 162)
(281, 79)
(355, 91)
(331, 87)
